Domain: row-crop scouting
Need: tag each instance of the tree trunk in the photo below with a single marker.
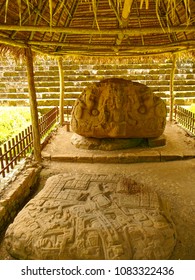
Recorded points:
(61, 74)
(172, 98)
(33, 106)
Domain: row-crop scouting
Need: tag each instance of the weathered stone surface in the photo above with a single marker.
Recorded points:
(14, 193)
(111, 144)
(92, 216)
(106, 144)
(157, 142)
(118, 108)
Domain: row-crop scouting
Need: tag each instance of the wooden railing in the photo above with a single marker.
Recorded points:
(19, 146)
(186, 119)
(47, 121)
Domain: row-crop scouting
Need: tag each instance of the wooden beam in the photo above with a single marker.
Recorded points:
(68, 20)
(87, 31)
(12, 42)
(87, 47)
(61, 74)
(116, 13)
(129, 48)
(33, 105)
(39, 10)
(138, 13)
(172, 97)
(126, 9)
(121, 52)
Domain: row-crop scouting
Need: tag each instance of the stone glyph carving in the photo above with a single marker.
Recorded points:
(118, 108)
(91, 216)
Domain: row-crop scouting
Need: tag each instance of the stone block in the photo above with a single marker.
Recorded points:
(12, 194)
(128, 158)
(157, 142)
(168, 156)
(84, 159)
(99, 159)
(45, 155)
(19, 190)
(5, 202)
(148, 156)
(62, 157)
(188, 155)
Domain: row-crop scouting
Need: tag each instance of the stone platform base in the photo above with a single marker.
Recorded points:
(92, 216)
(110, 144)
(15, 191)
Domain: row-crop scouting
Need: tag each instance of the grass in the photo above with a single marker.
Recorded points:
(12, 121)
(192, 108)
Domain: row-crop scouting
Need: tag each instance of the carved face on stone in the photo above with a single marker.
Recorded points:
(118, 108)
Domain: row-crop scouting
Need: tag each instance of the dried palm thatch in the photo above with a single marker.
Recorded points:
(104, 28)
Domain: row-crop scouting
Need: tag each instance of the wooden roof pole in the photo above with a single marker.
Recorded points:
(33, 105)
(86, 31)
(124, 20)
(61, 74)
(172, 98)
(126, 9)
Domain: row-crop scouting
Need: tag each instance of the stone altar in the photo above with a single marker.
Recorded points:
(118, 108)
(92, 216)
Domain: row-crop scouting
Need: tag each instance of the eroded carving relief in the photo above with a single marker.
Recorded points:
(118, 108)
(91, 216)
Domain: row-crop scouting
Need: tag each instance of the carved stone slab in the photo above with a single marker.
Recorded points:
(118, 108)
(91, 216)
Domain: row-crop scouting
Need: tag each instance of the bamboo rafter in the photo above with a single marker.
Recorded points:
(142, 38)
(52, 26)
(115, 31)
(41, 7)
(170, 46)
(68, 21)
(108, 55)
(161, 48)
(81, 48)
(171, 7)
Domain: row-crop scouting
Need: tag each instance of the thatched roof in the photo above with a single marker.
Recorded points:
(98, 27)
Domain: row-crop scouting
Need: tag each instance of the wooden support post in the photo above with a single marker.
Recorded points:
(33, 105)
(61, 74)
(172, 98)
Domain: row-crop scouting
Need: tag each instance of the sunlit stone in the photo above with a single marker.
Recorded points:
(92, 216)
(118, 108)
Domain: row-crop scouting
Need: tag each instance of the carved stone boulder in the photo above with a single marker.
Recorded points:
(118, 108)
(92, 216)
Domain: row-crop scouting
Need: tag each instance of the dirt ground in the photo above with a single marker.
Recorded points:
(174, 181)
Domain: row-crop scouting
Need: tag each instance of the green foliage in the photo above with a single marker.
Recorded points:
(192, 108)
(12, 121)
